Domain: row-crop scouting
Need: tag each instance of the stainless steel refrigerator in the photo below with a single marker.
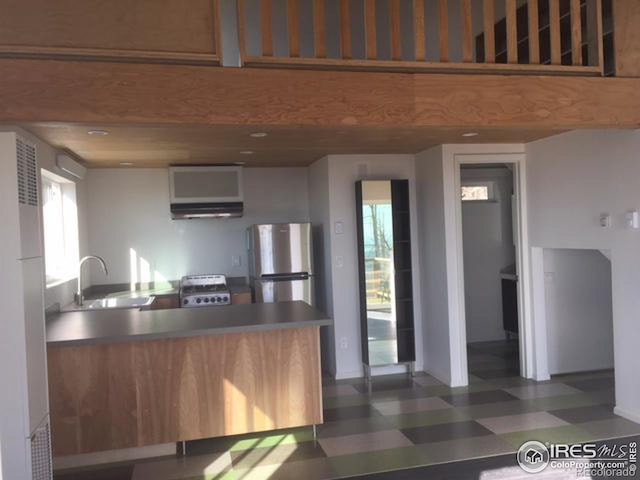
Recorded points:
(280, 262)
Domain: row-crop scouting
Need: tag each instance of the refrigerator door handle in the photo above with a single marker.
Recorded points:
(275, 277)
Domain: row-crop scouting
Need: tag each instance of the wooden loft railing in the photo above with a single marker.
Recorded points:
(425, 35)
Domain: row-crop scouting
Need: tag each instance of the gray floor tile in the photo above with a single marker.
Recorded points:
(593, 384)
(366, 442)
(427, 381)
(445, 431)
(354, 426)
(499, 409)
(585, 414)
(477, 398)
(398, 407)
(541, 390)
(338, 390)
(183, 467)
(348, 413)
(612, 428)
(474, 447)
(316, 469)
(276, 455)
(522, 422)
(109, 473)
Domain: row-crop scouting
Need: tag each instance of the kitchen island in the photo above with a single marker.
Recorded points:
(131, 378)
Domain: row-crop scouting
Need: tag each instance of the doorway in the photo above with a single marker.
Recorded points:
(487, 196)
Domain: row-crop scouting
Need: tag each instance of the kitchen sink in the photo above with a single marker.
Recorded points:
(113, 303)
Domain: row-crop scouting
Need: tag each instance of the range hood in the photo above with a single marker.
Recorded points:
(206, 192)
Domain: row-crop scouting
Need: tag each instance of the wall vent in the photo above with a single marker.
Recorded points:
(27, 174)
(41, 463)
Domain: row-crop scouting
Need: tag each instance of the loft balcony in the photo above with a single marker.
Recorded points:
(406, 68)
(570, 37)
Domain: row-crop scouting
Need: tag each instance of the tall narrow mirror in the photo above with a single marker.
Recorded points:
(384, 251)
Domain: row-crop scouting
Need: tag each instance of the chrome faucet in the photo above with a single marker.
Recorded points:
(79, 297)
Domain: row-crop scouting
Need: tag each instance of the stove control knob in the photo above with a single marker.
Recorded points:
(217, 299)
(206, 299)
(199, 300)
(225, 299)
(185, 301)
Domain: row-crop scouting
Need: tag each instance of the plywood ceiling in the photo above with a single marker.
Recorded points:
(159, 146)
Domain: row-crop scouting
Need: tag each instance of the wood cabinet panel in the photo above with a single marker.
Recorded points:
(143, 393)
(626, 17)
(240, 298)
(117, 28)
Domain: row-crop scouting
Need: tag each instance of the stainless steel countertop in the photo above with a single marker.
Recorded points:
(125, 325)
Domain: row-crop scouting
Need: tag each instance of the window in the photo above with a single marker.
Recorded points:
(477, 192)
(60, 223)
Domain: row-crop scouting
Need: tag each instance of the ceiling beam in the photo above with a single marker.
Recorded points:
(122, 93)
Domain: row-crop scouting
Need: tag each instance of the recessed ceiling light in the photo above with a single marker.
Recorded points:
(258, 134)
(470, 134)
(246, 152)
(126, 164)
(98, 133)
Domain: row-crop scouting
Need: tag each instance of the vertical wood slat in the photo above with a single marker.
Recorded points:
(489, 16)
(370, 29)
(554, 27)
(576, 33)
(467, 33)
(319, 29)
(534, 33)
(394, 17)
(266, 27)
(419, 38)
(599, 35)
(293, 24)
(443, 14)
(345, 29)
(241, 30)
(512, 31)
(217, 25)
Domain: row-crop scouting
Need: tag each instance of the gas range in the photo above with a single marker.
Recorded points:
(204, 291)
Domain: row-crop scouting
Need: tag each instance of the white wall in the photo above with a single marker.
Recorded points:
(578, 310)
(129, 209)
(319, 217)
(488, 248)
(572, 179)
(342, 173)
(432, 244)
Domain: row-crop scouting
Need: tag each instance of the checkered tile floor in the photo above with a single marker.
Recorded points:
(403, 423)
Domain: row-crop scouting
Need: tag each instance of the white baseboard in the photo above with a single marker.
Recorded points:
(634, 417)
(113, 456)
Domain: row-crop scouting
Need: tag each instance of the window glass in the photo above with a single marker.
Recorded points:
(477, 192)
(60, 223)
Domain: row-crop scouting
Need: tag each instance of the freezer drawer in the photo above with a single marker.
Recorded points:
(273, 290)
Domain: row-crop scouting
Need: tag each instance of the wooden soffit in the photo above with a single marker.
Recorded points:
(121, 93)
